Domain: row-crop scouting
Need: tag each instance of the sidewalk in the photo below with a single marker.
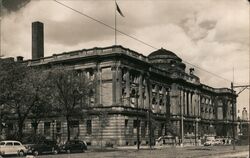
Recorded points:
(172, 151)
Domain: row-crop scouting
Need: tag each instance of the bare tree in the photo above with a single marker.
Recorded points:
(70, 93)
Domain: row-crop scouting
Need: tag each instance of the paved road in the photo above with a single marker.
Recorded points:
(243, 154)
(167, 152)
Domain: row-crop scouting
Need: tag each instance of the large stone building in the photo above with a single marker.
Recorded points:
(153, 94)
(156, 89)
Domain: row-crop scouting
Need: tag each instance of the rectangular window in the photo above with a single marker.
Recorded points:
(47, 128)
(58, 127)
(74, 128)
(89, 127)
(126, 123)
(126, 130)
(135, 126)
(144, 129)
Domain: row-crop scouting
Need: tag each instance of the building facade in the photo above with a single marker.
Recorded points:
(151, 94)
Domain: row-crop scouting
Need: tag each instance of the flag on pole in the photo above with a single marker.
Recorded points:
(119, 10)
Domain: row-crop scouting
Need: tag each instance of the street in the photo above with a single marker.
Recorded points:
(169, 152)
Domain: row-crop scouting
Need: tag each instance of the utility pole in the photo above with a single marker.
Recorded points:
(137, 120)
(244, 87)
(182, 129)
(233, 111)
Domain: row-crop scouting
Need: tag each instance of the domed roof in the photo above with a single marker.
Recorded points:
(162, 51)
(166, 60)
(163, 54)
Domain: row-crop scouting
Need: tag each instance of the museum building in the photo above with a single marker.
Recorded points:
(154, 93)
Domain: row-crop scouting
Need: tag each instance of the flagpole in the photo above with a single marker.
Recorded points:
(115, 24)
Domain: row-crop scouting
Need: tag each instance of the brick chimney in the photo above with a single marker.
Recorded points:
(37, 40)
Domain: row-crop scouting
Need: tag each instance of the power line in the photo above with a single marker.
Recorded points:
(135, 38)
(111, 27)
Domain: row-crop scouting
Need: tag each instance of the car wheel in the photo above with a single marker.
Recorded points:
(55, 151)
(83, 150)
(21, 153)
(36, 153)
(68, 151)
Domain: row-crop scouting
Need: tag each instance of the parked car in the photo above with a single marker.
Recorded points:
(43, 146)
(218, 142)
(12, 147)
(209, 143)
(74, 146)
(165, 140)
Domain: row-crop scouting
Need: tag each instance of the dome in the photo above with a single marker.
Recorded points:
(167, 60)
(163, 53)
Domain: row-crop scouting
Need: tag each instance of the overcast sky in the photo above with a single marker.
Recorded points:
(213, 34)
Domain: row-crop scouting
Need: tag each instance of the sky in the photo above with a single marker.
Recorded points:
(211, 34)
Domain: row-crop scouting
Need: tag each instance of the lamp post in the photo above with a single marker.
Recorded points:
(196, 129)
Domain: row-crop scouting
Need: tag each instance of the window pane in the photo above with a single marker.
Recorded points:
(89, 127)
(16, 144)
(9, 144)
(2, 143)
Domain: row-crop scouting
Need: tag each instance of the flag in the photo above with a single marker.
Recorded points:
(119, 10)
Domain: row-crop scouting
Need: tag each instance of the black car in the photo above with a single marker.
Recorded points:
(44, 146)
(73, 146)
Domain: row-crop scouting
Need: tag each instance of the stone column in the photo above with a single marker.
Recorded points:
(127, 98)
(140, 101)
(180, 101)
(119, 85)
(184, 103)
(190, 103)
(113, 69)
(147, 91)
(194, 103)
(96, 89)
(165, 94)
(187, 102)
(98, 85)
(157, 98)
(199, 104)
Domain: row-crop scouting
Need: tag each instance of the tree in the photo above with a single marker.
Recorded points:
(42, 109)
(70, 92)
(22, 88)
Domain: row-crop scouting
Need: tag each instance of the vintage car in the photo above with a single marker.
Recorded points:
(44, 146)
(73, 146)
(12, 147)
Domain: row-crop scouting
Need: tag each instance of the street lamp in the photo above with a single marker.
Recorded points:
(196, 129)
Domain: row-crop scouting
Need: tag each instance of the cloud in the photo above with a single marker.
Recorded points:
(211, 34)
(12, 5)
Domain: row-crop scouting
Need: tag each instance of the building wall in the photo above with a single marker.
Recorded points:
(127, 81)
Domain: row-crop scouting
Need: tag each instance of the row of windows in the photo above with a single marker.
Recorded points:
(207, 110)
(206, 101)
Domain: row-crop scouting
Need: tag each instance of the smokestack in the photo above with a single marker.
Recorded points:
(37, 40)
